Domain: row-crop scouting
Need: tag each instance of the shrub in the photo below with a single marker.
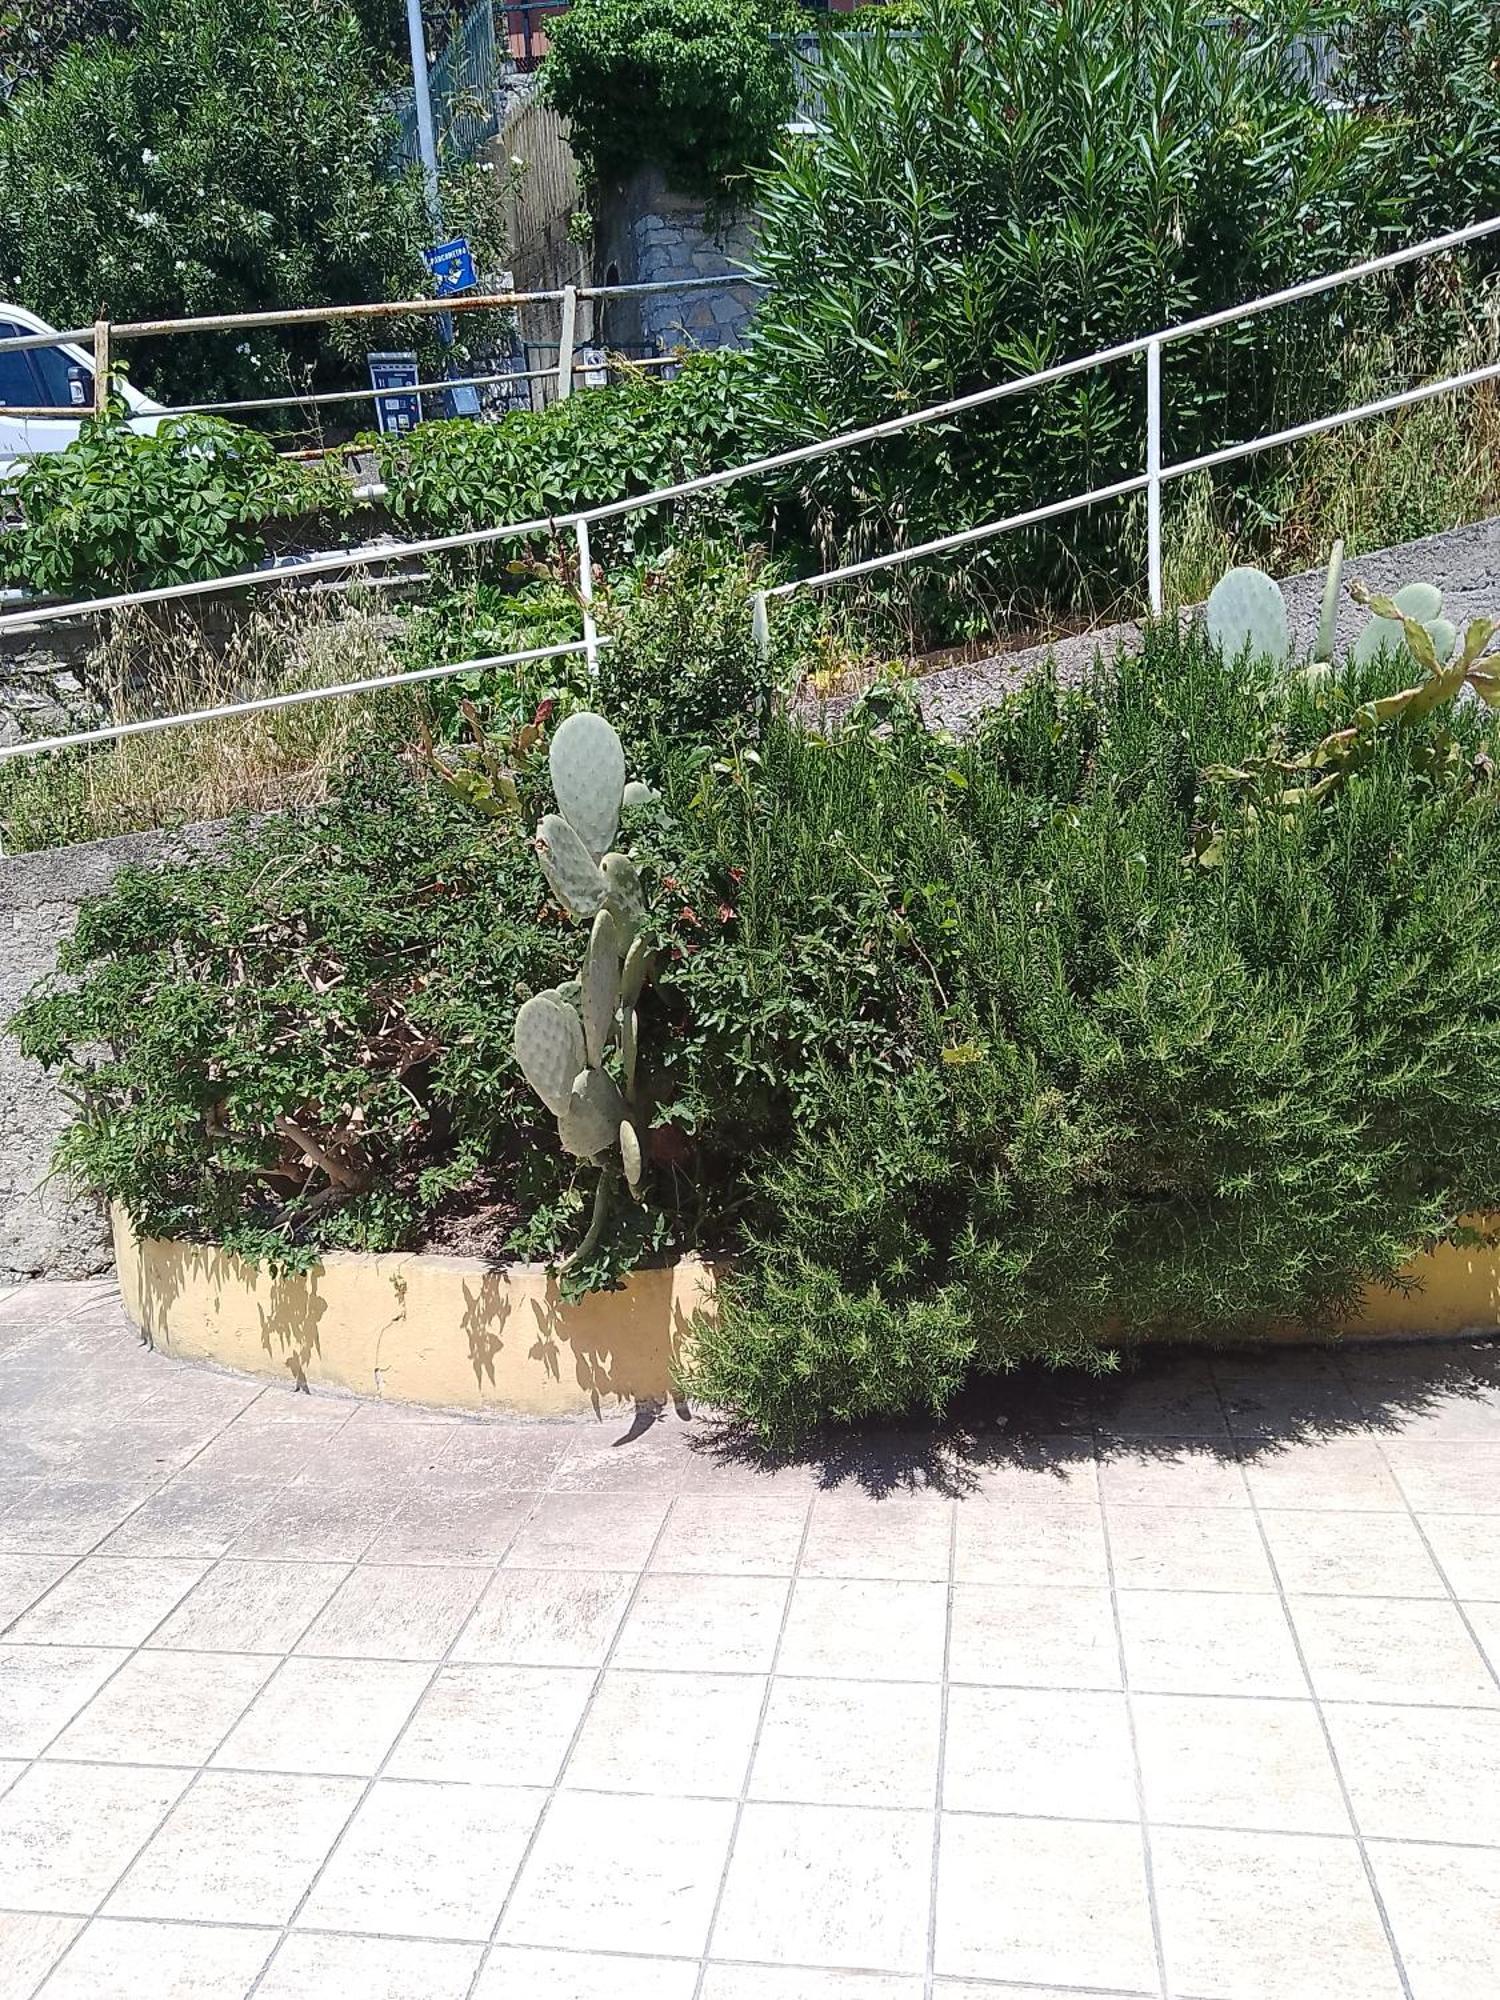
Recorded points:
(1024, 181)
(122, 509)
(1030, 1085)
(598, 445)
(226, 154)
(695, 87)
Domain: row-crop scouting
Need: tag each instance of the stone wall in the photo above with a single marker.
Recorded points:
(648, 234)
(48, 1228)
(41, 685)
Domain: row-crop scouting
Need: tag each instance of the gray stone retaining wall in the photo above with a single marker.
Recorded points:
(47, 1227)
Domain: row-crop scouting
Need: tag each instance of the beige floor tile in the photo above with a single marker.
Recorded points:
(494, 1725)
(1180, 1472)
(1338, 1472)
(828, 1886)
(963, 1989)
(1324, 1552)
(334, 1717)
(309, 1967)
(67, 1515)
(1037, 1471)
(610, 1868)
(589, 1531)
(865, 1631)
(1280, 1915)
(499, 1456)
(10, 1769)
(905, 1536)
(841, 1743)
(1000, 1542)
(1441, 1903)
(1391, 1649)
(395, 1612)
(1237, 1762)
(1468, 1547)
(315, 1521)
(240, 1848)
(731, 1535)
(786, 1982)
(425, 1860)
(682, 1734)
(251, 1607)
(23, 1579)
(1033, 1637)
(166, 1708)
(29, 1947)
(443, 1524)
(1447, 1477)
(199, 1513)
(107, 1601)
(527, 1618)
(1421, 1774)
(1208, 1642)
(1022, 1750)
(68, 1831)
(43, 1687)
(1485, 1620)
(526, 1972)
(123, 1960)
(708, 1624)
(1044, 1902)
(1187, 1548)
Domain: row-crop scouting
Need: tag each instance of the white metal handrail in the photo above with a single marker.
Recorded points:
(372, 684)
(579, 521)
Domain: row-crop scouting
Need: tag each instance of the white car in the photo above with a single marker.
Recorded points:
(50, 378)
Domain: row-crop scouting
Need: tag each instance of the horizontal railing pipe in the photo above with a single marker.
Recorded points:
(113, 732)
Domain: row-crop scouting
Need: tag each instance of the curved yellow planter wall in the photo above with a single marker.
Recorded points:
(452, 1331)
(455, 1331)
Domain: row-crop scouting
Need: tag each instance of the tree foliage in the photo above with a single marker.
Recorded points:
(695, 87)
(229, 154)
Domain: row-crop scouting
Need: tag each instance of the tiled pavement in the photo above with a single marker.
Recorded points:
(1182, 1685)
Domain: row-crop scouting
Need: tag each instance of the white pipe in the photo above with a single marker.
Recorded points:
(1153, 478)
(586, 593)
(373, 685)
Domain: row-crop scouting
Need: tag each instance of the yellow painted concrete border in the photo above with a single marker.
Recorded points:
(456, 1332)
(451, 1331)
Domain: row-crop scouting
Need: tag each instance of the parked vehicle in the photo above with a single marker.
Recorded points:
(50, 378)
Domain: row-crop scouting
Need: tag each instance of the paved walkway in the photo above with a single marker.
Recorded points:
(1177, 1686)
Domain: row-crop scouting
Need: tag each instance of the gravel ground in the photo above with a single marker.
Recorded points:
(1464, 563)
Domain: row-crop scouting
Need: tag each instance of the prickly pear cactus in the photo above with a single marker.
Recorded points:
(1328, 616)
(1422, 602)
(564, 1036)
(588, 776)
(1245, 609)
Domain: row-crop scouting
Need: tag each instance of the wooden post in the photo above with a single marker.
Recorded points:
(101, 366)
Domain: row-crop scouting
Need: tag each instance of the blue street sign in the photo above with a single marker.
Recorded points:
(403, 410)
(452, 266)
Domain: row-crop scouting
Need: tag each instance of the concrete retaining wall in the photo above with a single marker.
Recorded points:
(48, 1229)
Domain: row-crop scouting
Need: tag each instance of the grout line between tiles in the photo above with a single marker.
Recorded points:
(930, 1975)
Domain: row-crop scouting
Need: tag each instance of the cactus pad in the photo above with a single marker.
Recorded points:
(550, 1048)
(601, 987)
(570, 869)
(1421, 601)
(1328, 618)
(588, 776)
(637, 794)
(589, 1123)
(630, 1153)
(622, 895)
(1244, 610)
(628, 1045)
(633, 974)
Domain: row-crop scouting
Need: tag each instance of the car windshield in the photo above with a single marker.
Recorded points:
(17, 386)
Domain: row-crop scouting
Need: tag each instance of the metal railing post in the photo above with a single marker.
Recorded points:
(101, 366)
(586, 592)
(1153, 477)
(565, 340)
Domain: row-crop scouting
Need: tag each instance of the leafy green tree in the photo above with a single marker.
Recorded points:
(233, 154)
(33, 33)
(696, 87)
